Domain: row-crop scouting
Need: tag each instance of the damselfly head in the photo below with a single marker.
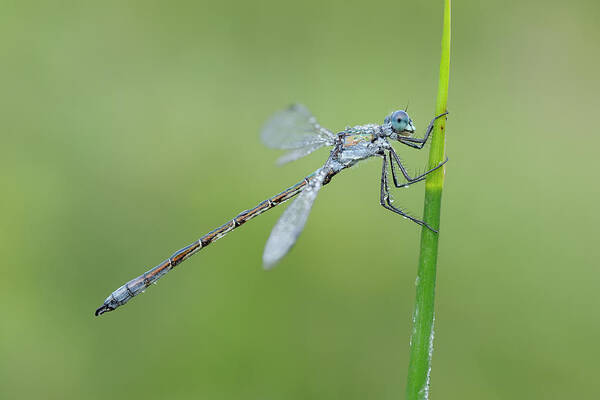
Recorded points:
(400, 123)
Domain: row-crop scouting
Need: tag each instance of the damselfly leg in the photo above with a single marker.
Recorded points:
(418, 143)
(385, 201)
(394, 158)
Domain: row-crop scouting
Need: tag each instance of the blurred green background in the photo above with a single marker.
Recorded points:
(130, 129)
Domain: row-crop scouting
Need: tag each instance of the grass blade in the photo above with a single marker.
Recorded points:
(421, 343)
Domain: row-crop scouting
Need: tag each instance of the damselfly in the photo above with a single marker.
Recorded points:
(296, 130)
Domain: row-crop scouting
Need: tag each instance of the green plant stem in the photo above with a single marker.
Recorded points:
(421, 343)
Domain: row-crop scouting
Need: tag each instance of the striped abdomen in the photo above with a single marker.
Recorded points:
(135, 286)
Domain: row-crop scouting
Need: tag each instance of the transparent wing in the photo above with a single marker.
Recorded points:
(293, 128)
(295, 154)
(292, 221)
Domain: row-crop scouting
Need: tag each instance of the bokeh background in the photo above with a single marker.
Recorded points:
(130, 129)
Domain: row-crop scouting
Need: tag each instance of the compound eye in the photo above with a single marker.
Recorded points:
(399, 120)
